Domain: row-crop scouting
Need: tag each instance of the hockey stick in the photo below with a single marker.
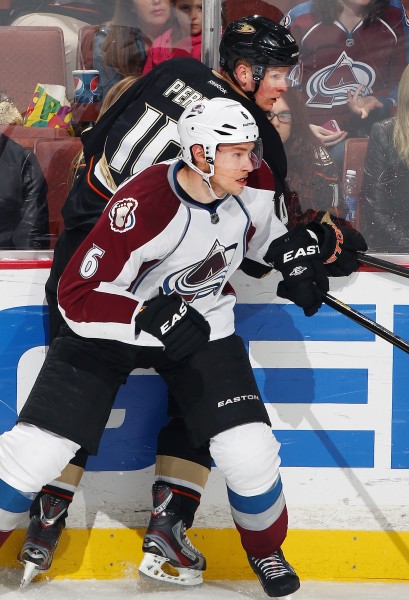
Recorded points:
(373, 326)
(384, 265)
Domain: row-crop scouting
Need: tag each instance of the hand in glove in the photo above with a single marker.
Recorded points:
(296, 255)
(180, 328)
(339, 244)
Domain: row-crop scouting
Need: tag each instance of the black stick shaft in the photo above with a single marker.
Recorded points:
(373, 326)
(384, 265)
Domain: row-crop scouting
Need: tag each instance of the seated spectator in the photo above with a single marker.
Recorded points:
(23, 192)
(312, 177)
(385, 208)
(69, 15)
(121, 46)
(353, 52)
(184, 39)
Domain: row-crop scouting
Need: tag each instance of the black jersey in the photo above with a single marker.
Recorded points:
(140, 129)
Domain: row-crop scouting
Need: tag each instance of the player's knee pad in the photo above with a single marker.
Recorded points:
(31, 457)
(248, 457)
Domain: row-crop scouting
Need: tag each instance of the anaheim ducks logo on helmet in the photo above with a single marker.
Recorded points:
(242, 27)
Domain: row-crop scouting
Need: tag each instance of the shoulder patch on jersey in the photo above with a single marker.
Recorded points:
(122, 215)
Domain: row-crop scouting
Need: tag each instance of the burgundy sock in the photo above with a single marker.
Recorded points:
(3, 536)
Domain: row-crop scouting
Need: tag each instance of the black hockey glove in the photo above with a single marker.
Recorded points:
(296, 255)
(180, 328)
(339, 244)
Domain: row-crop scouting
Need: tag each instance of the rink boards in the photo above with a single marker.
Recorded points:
(339, 403)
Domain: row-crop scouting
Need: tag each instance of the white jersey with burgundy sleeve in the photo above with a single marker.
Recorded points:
(152, 235)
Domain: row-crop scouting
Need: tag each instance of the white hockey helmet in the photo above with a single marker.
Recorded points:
(213, 122)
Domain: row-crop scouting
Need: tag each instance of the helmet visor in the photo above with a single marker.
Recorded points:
(278, 77)
(294, 75)
(256, 155)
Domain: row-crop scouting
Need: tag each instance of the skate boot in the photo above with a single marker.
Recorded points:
(276, 575)
(42, 537)
(166, 544)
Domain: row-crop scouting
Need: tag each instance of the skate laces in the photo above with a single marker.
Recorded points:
(272, 566)
(186, 539)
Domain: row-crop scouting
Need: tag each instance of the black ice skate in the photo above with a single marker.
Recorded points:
(42, 537)
(276, 575)
(166, 541)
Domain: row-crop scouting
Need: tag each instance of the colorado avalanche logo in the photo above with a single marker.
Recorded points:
(122, 215)
(204, 277)
(197, 109)
(328, 87)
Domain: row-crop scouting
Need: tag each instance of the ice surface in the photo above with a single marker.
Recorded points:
(212, 590)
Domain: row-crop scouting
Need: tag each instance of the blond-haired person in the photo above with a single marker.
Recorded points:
(385, 209)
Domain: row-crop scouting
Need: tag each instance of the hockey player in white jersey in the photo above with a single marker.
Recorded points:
(149, 287)
(259, 58)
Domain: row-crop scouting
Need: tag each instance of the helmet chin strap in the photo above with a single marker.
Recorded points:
(206, 179)
(257, 77)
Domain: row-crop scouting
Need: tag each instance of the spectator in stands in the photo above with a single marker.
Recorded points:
(385, 207)
(23, 192)
(184, 39)
(312, 183)
(121, 46)
(353, 52)
(69, 15)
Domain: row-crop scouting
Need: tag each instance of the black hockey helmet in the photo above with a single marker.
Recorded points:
(262, 42)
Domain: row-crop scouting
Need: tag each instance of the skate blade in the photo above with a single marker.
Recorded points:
(151, 566)
(30, 571)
